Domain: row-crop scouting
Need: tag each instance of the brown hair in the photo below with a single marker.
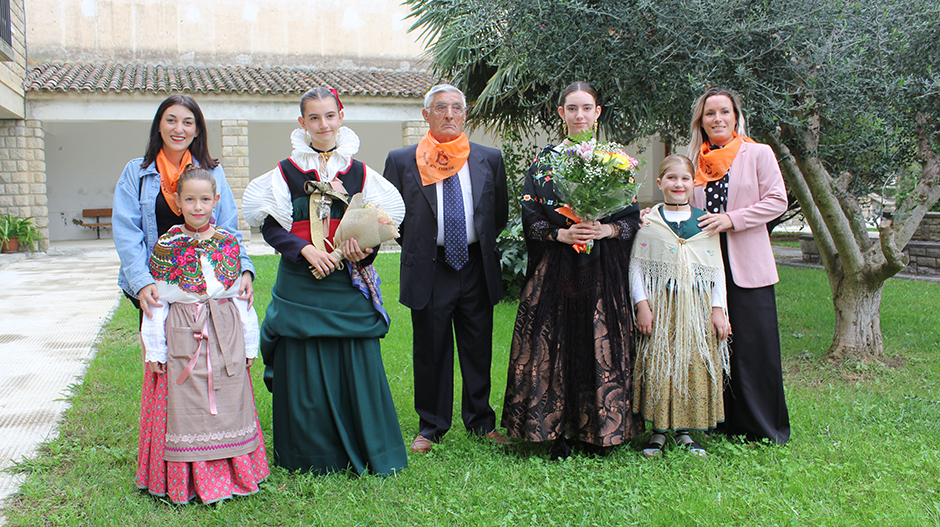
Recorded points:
(696, 132)
(578, 86)
(199, 148)
(194, 173)
(315, 94)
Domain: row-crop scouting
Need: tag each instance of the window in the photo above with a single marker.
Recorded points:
(6, 31)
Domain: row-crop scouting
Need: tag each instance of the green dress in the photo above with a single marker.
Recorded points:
(332, 407)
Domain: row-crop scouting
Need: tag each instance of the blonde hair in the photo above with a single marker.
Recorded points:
(697, 134)
(676, 160)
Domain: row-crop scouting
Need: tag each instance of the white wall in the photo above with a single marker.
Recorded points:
(332, 33)
(83, 163)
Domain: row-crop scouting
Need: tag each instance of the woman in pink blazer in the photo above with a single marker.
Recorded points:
(738, 183)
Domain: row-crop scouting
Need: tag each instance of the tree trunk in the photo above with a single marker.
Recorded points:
(857, 303)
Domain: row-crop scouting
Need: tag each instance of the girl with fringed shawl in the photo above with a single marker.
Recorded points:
(333, 409)
(571, 362)
(678, 288)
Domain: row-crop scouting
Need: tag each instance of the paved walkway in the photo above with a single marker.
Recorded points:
(52, 307)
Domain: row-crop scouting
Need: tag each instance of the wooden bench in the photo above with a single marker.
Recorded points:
(97, 214)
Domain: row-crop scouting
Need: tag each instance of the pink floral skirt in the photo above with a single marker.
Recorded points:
(212, 481)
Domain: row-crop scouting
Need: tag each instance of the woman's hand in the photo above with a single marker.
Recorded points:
(246, 291)
(720, 323)
(324, 262)
(602, 230)
(643, 214)
(251, 362)
(157, 367)
(353, 253)
(644, 317)
(148, 296)
(715, 223)
(579, 233)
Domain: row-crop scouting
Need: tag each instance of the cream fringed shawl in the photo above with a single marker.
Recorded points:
(678, 276)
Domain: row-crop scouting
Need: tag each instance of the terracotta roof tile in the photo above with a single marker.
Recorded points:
(150, 78)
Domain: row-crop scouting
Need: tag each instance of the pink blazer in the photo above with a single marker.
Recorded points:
(756, 195)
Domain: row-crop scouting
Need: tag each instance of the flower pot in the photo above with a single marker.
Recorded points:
(11, 245)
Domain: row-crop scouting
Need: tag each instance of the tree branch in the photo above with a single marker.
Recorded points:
(893, 255)
(851, 209)
(793, 175)
(823, 196)
(927, 192)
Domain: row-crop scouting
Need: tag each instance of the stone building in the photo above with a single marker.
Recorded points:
(22, 151)
(86, 77)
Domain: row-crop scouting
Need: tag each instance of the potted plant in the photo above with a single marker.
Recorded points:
(16, 230)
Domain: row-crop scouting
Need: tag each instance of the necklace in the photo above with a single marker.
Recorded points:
(325, 154)
(196, 231)
(675, 204)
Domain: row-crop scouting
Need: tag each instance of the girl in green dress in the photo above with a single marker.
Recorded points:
(333, 409)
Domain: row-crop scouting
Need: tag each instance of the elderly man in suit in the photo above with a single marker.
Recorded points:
(456, 204)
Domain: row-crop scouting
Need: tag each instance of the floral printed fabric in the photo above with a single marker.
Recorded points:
(177, 259)
(571, 357)
(180, 482)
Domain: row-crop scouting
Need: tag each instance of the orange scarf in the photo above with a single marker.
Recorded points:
(439, 161)
(170, 174)
(714, 164)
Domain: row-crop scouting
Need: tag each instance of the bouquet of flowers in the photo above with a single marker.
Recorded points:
(593, 178)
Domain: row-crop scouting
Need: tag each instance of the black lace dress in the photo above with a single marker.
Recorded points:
(571, 361)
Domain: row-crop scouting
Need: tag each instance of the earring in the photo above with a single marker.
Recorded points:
(594, 130)
(306, 136)
(564, 124)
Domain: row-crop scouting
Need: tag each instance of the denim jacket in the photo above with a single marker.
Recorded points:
(135, 222)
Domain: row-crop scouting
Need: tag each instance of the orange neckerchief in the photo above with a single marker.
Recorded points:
(170, 174)
(439, 161)
(714, 164)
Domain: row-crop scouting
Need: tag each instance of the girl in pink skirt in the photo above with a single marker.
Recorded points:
(199, 431)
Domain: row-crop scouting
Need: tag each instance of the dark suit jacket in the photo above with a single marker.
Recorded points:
(419, 228)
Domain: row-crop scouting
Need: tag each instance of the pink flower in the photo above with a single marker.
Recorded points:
(586, 150)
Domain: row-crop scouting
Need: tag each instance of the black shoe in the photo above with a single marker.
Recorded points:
(561, 449)
(594, 450)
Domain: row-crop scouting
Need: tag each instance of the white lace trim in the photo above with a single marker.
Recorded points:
(214, 436)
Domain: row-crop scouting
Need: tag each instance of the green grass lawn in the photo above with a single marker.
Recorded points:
(865, 448)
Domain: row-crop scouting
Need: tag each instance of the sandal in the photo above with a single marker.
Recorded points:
(694, 448)
(655, 446)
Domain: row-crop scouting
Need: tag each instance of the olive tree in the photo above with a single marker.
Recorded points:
(847, 94)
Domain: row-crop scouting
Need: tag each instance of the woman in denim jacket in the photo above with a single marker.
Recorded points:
(144, 206)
